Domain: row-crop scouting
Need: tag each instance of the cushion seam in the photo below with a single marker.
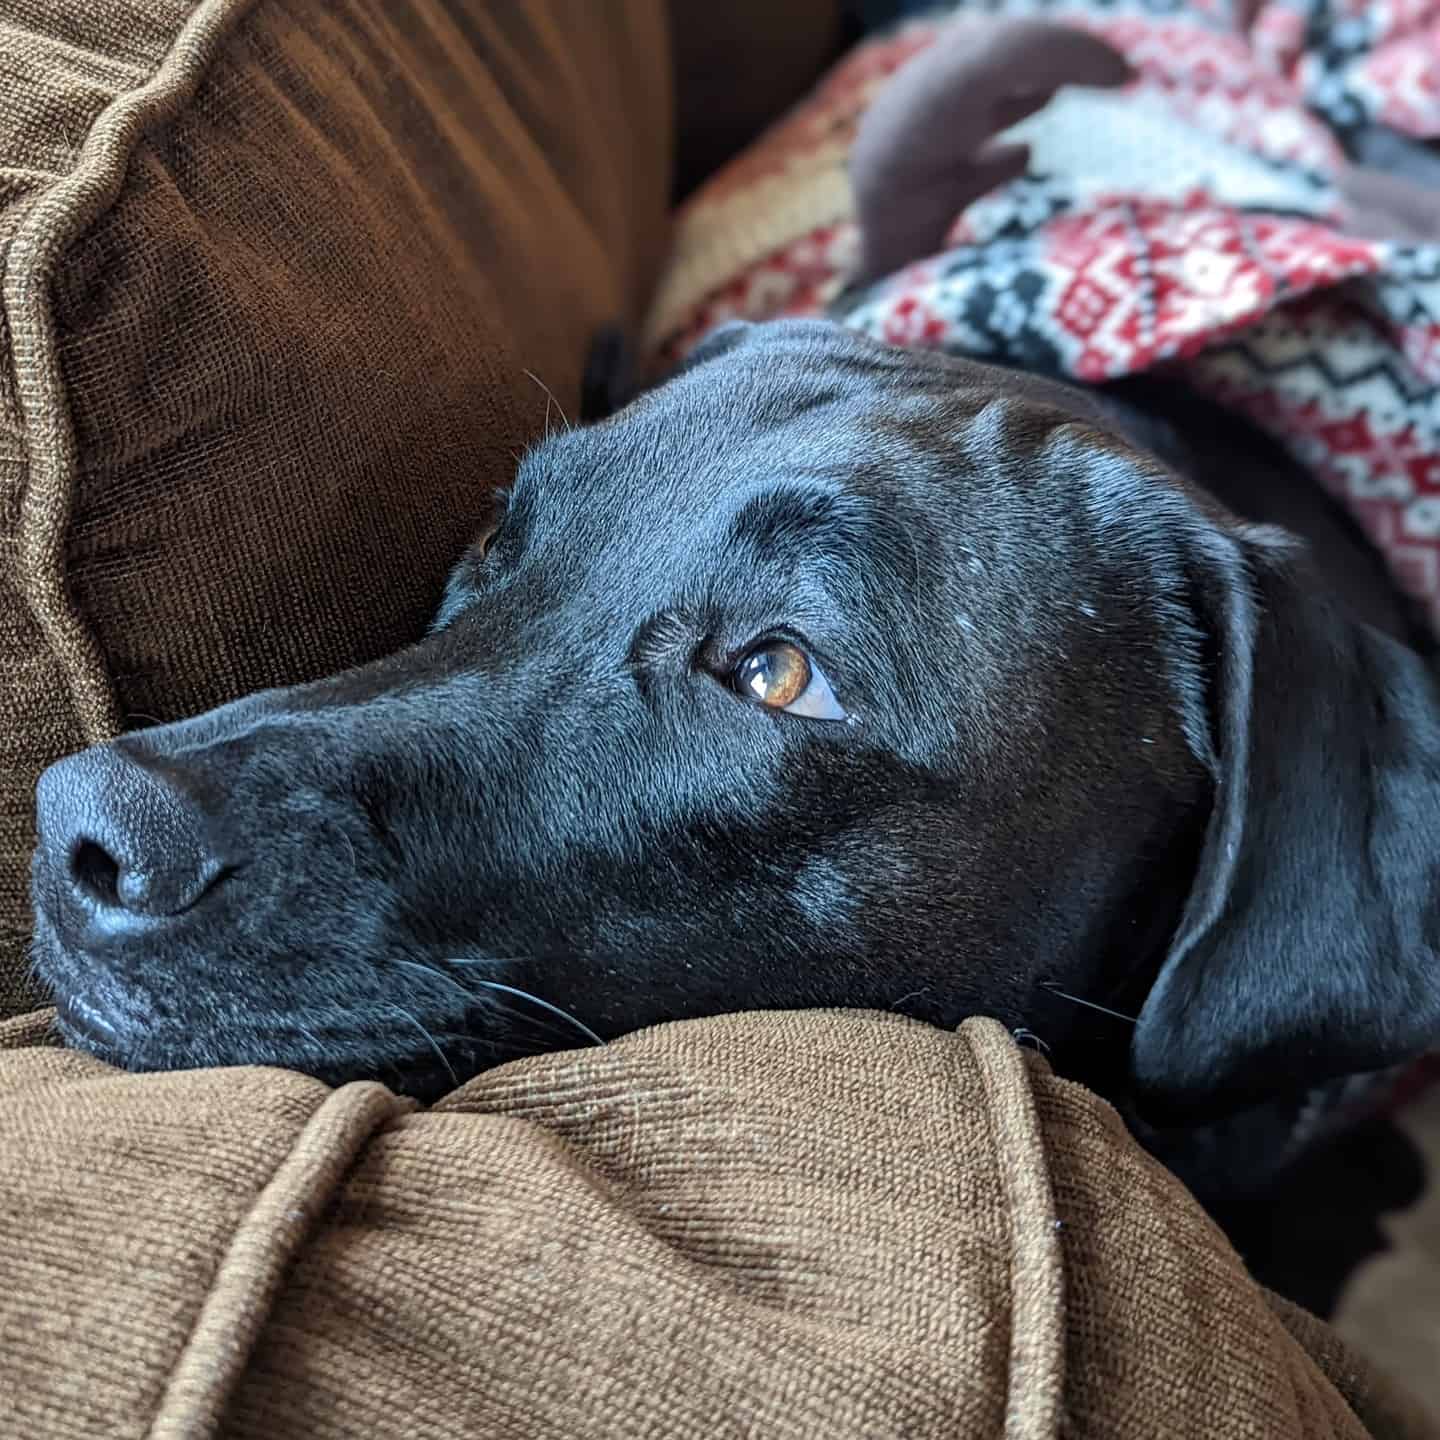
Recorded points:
(1035, 1382)
(48, 227)
(248, 1277)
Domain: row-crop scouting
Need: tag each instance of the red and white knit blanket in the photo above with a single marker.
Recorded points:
(1189, 221)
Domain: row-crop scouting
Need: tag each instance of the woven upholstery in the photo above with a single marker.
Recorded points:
(827, 1223)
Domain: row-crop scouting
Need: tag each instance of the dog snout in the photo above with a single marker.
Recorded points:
(123, 838)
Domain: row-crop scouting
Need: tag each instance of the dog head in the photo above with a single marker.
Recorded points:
(825, 674)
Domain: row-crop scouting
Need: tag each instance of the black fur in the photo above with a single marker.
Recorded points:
(1105, 739)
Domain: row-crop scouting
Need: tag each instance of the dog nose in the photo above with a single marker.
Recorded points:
(123, 836)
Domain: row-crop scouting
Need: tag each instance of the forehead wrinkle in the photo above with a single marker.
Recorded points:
(669, 493)
(795, 521)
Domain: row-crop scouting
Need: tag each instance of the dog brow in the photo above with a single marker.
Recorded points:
(795, 520)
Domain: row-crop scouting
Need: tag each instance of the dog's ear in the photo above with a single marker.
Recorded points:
(1309, 947)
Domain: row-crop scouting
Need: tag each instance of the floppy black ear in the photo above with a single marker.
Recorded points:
(1310, 944)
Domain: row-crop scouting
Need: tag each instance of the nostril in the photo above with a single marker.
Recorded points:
(96, 872)
(127, 836)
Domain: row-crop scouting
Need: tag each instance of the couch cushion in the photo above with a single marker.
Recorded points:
(841, 1224)
(273, 275)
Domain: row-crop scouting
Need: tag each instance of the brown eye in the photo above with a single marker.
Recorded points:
(486, 539)
(781, 676)
(776, 674)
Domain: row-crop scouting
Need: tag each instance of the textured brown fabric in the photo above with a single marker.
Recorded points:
(818, 1224)
(271, 274)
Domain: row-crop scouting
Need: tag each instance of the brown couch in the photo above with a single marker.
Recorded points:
(819, 1224)
(275, 277)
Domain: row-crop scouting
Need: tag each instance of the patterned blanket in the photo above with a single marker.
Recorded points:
(1190, 220)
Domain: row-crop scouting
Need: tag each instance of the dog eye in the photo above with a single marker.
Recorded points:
(781, 676)
(484, 542)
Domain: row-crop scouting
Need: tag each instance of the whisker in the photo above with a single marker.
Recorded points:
(1089, 1004)
(909, 995)
(549, 400)
(431, 1041)
(1022, 1036)
(490, 960)
(544, 1005)
(432, 973)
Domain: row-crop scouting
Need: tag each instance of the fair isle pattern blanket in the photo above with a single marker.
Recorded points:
(1189, 221)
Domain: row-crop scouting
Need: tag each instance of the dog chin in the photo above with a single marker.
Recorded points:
(96, 1014)
(83, 1026)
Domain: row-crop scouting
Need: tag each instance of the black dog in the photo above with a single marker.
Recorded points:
(826, 674)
